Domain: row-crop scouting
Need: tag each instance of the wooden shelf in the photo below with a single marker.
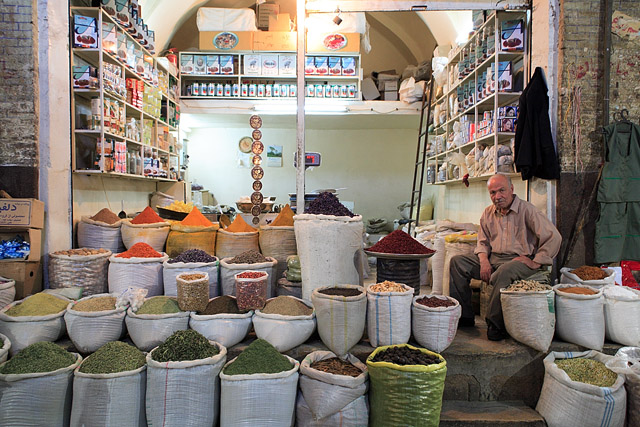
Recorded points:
(91, 172)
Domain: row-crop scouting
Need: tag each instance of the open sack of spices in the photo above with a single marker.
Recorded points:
(285, 322)
(627, 363)
(332, 391)
(434, 321)
(237, 238)
(588, 275)
(222, 321)
(109, 387)
(94, 321)
(389, 313)
(248, 260)
(579, 390)
(101, 231)
(329, 244)
(278, 239)
(580, 315)
(147, 227)
(528, 308)
(138, 267)
(5, 345)
(155, 321)
(187, 262)
(622, 314)
(182, 381)
(42, 373)
(341, 313)
(258, 388)
(85, 268)
(195, 231)
(39, 317)
(406, 384)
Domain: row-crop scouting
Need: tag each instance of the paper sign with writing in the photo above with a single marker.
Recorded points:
(16, 212)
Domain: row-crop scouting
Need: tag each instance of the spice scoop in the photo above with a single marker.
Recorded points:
(122, 214)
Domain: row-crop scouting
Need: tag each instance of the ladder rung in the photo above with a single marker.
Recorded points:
(419, 163)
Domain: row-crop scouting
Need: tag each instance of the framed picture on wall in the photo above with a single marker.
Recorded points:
(274, 156)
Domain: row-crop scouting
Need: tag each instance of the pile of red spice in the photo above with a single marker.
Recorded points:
(140, 250)
(400, 242)
(251, 275)
(147, 216)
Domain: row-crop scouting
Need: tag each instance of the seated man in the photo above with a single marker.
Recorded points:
(515, 240)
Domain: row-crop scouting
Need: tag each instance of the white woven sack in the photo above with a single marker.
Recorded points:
(355, 414)
(228, 272)
(619, 365)
(144, 273)
(564, 402)
(109, 399)
(278, 243)
(225, 19)
(530, 317)
(26, 330)
(150, 330)
(340, 319)
(230, 244)
(227, 329)
(437, 264)
(580, 318)
(7, 292)
(154, 234)
(327, 394)
(100, 235)
(328, 247)
(568, 277)
(4, 350)
(451, 250)
(86, 271)
(389, 316)
(90, 330)
(265, 400)
(171, 270)
(284, 332)
(42, 399)
(435, 327)
(184, 393)
(622, 318)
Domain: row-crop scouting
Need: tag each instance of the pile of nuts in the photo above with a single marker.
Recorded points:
(81, 252)
(387, 286)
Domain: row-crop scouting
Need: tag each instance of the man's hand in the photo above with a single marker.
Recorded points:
(526, 261)
(485, 270)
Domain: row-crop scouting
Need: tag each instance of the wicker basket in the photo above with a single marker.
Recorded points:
(88, 272)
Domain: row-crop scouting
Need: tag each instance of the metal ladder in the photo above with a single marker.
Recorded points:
(421, 157)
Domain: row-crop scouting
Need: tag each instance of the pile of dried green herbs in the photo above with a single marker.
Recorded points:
(184, 345)
(113, 357)
(259, 358)
(38, 357)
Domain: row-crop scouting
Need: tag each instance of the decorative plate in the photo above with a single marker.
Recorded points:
(257, 147)
(335, 41)
(257, 186)
(255, 122)
(245, 144)
(256, 134)
(225, 41)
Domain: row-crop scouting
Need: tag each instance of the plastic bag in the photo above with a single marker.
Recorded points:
(389, 316)
(131, 297)
(284, 332)
(434, 327)
(580, 318)
(530, 317)
(90, 330)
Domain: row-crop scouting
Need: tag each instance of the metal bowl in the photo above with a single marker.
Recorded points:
(246, 207)
(169, 214)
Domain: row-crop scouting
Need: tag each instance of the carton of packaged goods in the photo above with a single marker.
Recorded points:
(322, 65)
(348, 66)
(287, 65)
(310, 66)
(186, 64)
(335, 66)
(226, 64)
(269, 65)
(109, 37)
(200, 64)
(213, 64)
(85, 32)
(512, 36)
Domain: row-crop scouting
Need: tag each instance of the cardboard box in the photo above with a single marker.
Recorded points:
(369, 89)
(27, 274)
(213, 64)
(31, 235)
(270, 41)
(287, 65)
(200, 64)
(322, 65)
(85, 32)
(252, 65)
(333, 43)
(226, 41)
(390, 95)
(109, 38)
(335, 66)
(348, 64)
(21, 213)
(226, 64)
(512, 36)
(265, 11)
(280, 22)
(186, 64)
(269, 65)
(309, 66)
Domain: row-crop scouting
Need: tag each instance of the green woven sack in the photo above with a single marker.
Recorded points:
(405, 395)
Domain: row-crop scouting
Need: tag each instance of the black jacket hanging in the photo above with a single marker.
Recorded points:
(535, 154)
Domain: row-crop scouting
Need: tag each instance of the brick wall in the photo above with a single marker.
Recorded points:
(18, 98)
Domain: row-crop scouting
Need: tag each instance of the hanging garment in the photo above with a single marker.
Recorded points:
(618, 225)
(535, 153)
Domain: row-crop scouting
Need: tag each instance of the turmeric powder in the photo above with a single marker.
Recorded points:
(195, 218)
(284, 218)
(239, 225)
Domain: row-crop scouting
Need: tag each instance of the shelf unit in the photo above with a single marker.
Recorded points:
(116, 133)
(469, 78)
(243, 84)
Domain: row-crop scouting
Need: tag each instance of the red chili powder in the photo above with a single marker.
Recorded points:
(147, 216)
(140, 250)
(400, 242)
(251, 275)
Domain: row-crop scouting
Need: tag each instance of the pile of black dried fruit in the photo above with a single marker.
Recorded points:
(404, 355)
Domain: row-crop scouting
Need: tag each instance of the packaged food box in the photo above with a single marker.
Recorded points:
(252, 65)
(85, 76)
(309, 66)
(512, 35)
(322, 65)
(85, 32)
(269, 65)
(287, 65)
(213, 64)
(348, 66)
(186, 64)
(200, 64)
(122, 12)
(506, 125)
(510, 111)
(131, 54)
(109, 37)
(504, 77)
(122, 47)
(109, 6)
(226, 64)
(139, 67)
(335, 66)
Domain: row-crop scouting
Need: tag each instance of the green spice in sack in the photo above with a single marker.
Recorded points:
(113, 357)
(259, 358)
(159, 305)
(38, 357)
(38, 305)
(184, 345)
(588, 371)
